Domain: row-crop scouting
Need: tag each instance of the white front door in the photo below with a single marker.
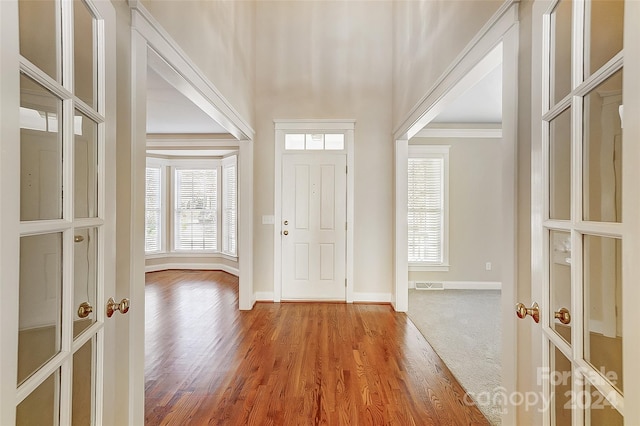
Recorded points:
(314, 195)
(579, 235)
(57, 164)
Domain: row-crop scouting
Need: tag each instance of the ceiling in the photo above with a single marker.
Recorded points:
(482, 103)
(169, 111)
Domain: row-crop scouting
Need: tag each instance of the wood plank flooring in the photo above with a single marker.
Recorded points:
(207, 362)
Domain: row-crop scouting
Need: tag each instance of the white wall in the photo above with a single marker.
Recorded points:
(329, 60)
(218, 36)
(475, 194)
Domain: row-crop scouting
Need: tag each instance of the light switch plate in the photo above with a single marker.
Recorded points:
(268, 219)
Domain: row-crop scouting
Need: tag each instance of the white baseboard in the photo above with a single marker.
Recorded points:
(466, 285)
(371, 297)
(264, 296)
(199, 266)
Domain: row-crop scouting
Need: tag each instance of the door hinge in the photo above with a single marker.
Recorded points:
(346, 169)
(345, 282)
(345, 226)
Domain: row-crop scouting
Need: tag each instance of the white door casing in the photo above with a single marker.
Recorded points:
(311, 126)
(75, 260)
(314, 195)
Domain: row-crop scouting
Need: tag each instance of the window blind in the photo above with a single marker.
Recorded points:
(153, 202)
(426, 210)
(229, 207)
(196, 225)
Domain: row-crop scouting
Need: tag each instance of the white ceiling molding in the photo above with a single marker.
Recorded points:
(486, 133)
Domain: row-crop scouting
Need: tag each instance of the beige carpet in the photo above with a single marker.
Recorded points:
(463, 326)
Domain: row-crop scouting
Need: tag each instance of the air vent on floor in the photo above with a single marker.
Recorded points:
(429, 285)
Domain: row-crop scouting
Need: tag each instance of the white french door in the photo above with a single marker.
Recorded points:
(56, 172)
(314, 217)
(580, 238)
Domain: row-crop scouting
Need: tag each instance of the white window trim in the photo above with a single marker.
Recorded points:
(435, 151)
(168, 165)
(188, 164)
(156, 163)
(229, 161)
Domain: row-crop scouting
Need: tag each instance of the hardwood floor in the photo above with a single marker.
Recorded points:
(289, 363)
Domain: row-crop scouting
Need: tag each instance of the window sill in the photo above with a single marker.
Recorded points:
(421, 267)
(206, 254)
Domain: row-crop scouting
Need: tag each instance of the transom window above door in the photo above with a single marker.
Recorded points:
(314, 141)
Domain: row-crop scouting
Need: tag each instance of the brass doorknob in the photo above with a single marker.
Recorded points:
(84, 310)
(286, 232)
(112, 306)
(563, 316)
(534, 311)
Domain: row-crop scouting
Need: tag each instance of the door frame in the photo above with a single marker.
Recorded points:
(309, 126)
(147, 35)
(470, 65)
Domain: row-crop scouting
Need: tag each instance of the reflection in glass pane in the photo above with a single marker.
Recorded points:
(40, 301)
(560, 279)
(560, 166)
(41, 407)
(600, 411)
(334, 141)
(292, 141)
(84, 277)
(560, 83)
(603, 306)
(602, 146)
(83, 386)
(38, 40)
(84, 63)
(603, 33)
(315, 142)
(40, 152)
(561, 380)
(86, 170)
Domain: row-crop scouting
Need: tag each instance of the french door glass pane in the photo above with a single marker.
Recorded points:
(82, 408)
(42, 406)
(603, 306)
(560, 280)
(39, 41)
(560, 84)
(602, 146)
(603, 33)
(40, 152)
(39, 301)
(601, 412)
(85, 277)
(86, 166)
(561, 379)
(83, 50)
(560, 166)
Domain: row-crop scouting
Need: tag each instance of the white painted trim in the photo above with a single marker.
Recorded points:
(416, 267)
(429, 132)
(371, 297)
(284, 126)
(477, 49)
(193, 266)
(464, 285)
(264, 296)
(400, 293)
(173, 63)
